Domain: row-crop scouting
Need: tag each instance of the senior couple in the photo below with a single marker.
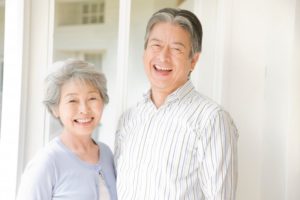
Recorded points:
(174, 144)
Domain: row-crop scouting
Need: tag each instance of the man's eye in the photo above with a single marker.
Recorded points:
(155, 46)
(93, 98)
(72, 101)
(177, 50)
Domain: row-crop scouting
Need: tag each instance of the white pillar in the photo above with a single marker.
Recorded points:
(12, 104)
(293, 134)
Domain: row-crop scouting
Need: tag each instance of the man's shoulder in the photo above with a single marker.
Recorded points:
(204, 108)
(203, 102)
(133, 109)
(135, 113)
(209, 110)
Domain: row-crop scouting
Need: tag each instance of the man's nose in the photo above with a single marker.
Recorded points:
(164, 54)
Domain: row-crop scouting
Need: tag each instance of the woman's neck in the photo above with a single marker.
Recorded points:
(84, 147)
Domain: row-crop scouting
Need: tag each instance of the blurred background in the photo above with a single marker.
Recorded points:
(250, 64)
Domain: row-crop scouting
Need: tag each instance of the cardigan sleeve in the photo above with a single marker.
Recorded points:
(38, 179)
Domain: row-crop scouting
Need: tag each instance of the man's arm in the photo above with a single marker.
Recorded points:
(217, 153)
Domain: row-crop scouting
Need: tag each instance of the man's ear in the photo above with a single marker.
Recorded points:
(194, 60)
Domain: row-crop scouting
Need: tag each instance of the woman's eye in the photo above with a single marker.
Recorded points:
(93, 98)
(72, 101)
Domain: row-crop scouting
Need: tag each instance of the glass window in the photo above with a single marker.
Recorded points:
(79, 12)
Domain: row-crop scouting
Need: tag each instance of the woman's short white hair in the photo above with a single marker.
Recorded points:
(72, 69)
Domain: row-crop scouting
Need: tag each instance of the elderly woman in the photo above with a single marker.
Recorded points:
(73, 166)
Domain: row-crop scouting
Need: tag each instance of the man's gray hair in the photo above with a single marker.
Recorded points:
(185, 19)
(72, 69)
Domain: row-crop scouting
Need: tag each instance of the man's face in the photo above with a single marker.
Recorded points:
(167, 59)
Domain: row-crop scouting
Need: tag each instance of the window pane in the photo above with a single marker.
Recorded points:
(96, 43)
(79, 12)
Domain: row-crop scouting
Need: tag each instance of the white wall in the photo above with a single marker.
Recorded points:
(293, 136)
(256, 92)
(243, 90)
(280, 27)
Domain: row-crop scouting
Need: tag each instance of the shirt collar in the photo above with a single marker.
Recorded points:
(179, 93)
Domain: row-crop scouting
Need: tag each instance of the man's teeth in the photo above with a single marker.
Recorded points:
(84, 120)
(162, 68)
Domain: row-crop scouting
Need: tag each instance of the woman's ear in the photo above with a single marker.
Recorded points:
(55, 112)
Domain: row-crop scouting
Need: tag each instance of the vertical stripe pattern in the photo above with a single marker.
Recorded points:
(185, 149)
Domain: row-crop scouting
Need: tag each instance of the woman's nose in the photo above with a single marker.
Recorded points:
(84, 108)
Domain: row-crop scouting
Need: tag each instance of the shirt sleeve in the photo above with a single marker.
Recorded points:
(217, 152)
(37, 181)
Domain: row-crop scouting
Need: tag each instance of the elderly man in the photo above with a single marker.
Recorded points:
(175, 143)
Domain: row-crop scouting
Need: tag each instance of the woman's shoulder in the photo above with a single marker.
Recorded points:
(106, 154)
(45, 156)
(49, 156)
(40, 168)
(105, 149)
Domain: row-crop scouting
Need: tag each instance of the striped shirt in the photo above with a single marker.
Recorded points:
(185, 149)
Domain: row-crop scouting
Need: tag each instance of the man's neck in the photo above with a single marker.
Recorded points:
(159, 97)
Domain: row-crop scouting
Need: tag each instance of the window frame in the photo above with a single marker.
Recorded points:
(12, 119)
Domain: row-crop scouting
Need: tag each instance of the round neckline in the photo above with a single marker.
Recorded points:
(96, 166)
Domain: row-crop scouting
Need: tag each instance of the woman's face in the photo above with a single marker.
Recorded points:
(80, 108)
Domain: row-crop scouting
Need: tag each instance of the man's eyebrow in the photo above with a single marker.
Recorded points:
(154, 40)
